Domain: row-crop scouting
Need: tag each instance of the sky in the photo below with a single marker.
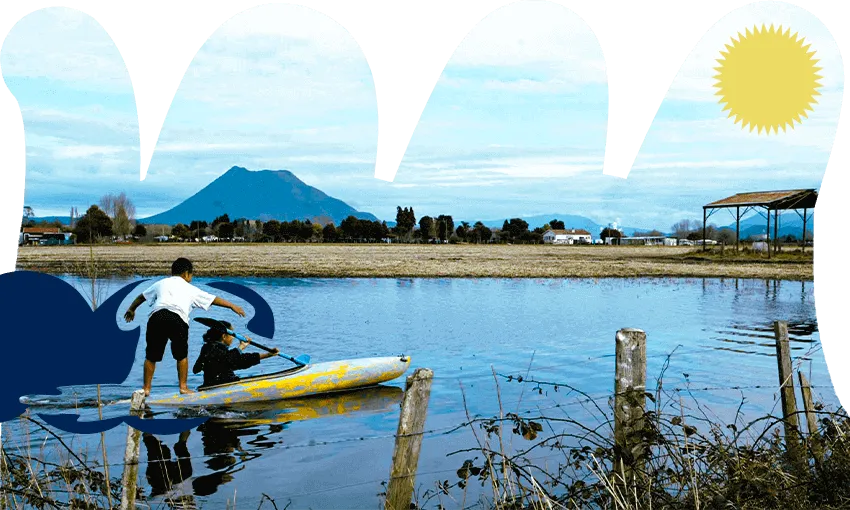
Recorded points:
(515, 125)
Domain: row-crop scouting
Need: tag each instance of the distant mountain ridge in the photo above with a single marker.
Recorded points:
(570, 221)
(258, 195)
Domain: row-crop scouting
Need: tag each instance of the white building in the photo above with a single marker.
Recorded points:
(569, 236)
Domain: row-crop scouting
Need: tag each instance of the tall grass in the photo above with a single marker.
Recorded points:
(692, 461)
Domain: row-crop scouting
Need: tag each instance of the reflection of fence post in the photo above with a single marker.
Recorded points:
(811, 420)
(789, 399)
(131, 455)
(408, 440)
(630, 402)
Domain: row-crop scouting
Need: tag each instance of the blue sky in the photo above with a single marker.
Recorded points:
(515, 126)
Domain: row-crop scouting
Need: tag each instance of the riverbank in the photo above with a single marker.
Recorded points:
(423, 261)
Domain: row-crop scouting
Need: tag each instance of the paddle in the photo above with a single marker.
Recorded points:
(301, 360)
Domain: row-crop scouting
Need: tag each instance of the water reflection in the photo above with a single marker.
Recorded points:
(239, 434)
(164, 474)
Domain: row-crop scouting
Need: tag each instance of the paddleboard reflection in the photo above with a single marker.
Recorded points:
(235, 435)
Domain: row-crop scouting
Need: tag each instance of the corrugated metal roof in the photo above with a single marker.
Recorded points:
(798, 198)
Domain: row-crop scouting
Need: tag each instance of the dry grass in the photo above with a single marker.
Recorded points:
(400, 260)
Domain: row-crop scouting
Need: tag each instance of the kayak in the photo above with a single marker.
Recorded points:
(312, 379)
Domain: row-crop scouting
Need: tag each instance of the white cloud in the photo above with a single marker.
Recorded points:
(736, 164)
(279, 61)
(536, 34)
(67, 45)
(86, 151)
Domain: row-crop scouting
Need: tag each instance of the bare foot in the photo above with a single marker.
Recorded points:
(186, 391)
(147, 392)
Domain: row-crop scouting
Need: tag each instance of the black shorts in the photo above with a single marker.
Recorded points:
(165, 325)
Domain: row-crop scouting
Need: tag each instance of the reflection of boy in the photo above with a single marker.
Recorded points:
(173, 300)
(163, 473)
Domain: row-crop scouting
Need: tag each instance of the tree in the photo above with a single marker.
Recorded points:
(556, 225)
(226, 230)
(445, 226)
(726, 236)
(181, 231)
(28, 217)
(224, 218)
(683, 228)
(140, 230)
(305, 230)
(481, 232)
(271, 230)
(93, 226)
(121, 210)
(329, 233)
(198, 228)
(405, 220)
(350, 228)
(611, 232)
(515, 230)
(463, 230)
(426, 223)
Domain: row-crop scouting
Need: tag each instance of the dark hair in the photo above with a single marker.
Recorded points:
(214, 334)
(180, 266)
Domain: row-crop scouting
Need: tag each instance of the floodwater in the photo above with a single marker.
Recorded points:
(713, 337)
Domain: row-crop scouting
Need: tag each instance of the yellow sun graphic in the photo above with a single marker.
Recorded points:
(767, 79)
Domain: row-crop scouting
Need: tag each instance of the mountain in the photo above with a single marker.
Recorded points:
(65, 220)
(262, 195)
(570, 221)
(789, 223)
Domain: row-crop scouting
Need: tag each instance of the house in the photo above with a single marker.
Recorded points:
(569, 236)
(43, 235)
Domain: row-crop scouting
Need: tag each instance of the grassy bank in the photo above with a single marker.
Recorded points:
(400, 260)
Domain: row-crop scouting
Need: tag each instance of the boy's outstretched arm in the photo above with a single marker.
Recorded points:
(131, 312)
(227, 304)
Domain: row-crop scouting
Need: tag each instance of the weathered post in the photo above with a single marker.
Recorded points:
(811, 419)
(131, 454)
(786, 386)
(630, 402)
(4, 475)
(411, 423)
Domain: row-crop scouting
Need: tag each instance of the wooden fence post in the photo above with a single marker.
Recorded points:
(630, 402)
(4, 475)
(811, 420)
(411, 423)
(786, 388)
(131, 454)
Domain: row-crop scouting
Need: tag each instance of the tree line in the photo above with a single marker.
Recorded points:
(114, 218)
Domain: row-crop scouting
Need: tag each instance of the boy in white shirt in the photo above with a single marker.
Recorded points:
(173, 300)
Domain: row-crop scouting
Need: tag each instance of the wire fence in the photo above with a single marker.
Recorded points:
(563, 396)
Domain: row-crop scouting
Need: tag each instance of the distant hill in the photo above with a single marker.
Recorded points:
(65, 220)
(570, 221)
(789, 223)
(263, 195)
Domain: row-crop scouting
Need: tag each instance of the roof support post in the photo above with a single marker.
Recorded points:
(737, 227)
(776, 231)
(768, 232)
(704, 219)
(805, 211)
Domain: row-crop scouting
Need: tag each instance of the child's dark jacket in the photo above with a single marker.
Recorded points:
(218, 363)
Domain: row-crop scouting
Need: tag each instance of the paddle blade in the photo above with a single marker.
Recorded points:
(303, 359)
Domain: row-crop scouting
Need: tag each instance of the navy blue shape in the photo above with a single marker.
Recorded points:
(53, 338)
(70, 423)
(262, 323)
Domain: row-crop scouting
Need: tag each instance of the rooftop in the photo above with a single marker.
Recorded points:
(784, 199)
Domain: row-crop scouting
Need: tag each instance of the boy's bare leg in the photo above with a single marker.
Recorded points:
(150, 367)
(183, 375)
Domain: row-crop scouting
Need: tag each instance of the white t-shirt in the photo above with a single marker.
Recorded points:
(178, 295)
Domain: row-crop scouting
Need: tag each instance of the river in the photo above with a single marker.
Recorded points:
(714, 336)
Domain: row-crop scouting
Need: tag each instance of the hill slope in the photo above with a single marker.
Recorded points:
(262, 195)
